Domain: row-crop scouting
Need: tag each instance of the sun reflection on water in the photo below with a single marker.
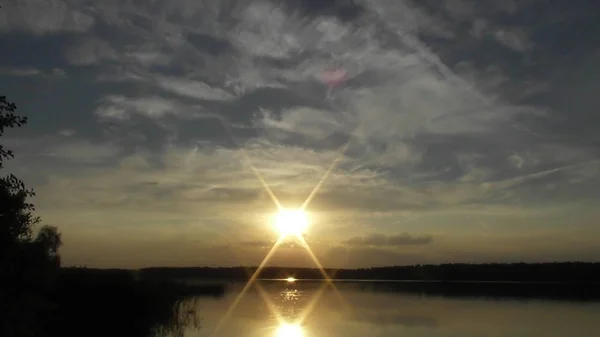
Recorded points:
(289, 330)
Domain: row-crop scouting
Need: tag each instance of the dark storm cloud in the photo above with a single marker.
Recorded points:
(343, 10)
(448, 105)
(210, 44)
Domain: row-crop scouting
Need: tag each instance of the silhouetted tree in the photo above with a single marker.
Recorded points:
(28, 264)
(38, 299)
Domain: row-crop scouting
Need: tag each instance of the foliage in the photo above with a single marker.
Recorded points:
(118, 303)
(29, 265)
(38, 298)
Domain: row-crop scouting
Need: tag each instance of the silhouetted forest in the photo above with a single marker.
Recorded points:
(570, 272)
(92, 302)
(39, 298)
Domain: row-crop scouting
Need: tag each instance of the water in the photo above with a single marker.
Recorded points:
(283, 309)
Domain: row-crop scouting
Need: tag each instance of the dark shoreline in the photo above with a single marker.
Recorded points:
(136, 303)
(487, 290)
(564, 272)
(97, 302)
(569, 281)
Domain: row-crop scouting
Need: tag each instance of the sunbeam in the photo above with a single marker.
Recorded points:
(325, 176)
(270, 305)
(327, 279)
(289, 223)
(247, 285)
(311, 304)
(250, 164)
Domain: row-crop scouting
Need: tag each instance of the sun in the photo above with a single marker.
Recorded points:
(291, 222)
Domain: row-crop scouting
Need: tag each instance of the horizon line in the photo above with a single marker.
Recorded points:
(337, 268)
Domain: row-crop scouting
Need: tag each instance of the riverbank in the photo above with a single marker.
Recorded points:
(94, 302)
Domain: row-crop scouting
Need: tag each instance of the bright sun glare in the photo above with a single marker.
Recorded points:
(289, 330)
(291, 222)
(291, 279)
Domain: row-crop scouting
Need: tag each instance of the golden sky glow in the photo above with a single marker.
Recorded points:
(419, 154)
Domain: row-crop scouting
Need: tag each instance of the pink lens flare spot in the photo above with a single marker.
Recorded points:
(334, 77)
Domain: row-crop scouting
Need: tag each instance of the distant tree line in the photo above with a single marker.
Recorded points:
(572, 272)
(571, 281)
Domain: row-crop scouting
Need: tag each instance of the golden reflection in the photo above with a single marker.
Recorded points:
(288, 223)
(247, 286)
(290, 295)
(289, 330)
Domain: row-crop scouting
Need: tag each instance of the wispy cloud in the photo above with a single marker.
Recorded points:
(165, 103)
(42, 17)
(90, 51)
(55, 73)
(382, 240)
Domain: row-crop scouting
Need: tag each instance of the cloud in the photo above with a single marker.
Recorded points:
(513, 39)
(257, 243)
(150, 58)
(67, 132)
(268, 244)
(170, 106)
(90, 51)
(121, 107)
(382, 240)
(63, 148)
(44, 17)
(191, 88)
(81, 151)
(55, 73)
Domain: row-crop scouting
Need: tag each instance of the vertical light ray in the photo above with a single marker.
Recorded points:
(270, 305)
(250, 164)
(311, 305)
(327, 279)
(247, 286)
(252, 281)
(325, 176)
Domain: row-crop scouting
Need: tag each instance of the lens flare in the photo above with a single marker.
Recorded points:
(291, 222)
(288, 223)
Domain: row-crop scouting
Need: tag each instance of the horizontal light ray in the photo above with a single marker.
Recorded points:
(247, 286)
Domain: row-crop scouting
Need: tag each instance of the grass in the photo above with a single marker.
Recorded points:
(91, 302)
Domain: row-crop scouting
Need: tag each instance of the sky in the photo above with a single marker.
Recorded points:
(466, 131)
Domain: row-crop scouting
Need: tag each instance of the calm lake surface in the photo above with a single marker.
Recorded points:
(282, 309)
